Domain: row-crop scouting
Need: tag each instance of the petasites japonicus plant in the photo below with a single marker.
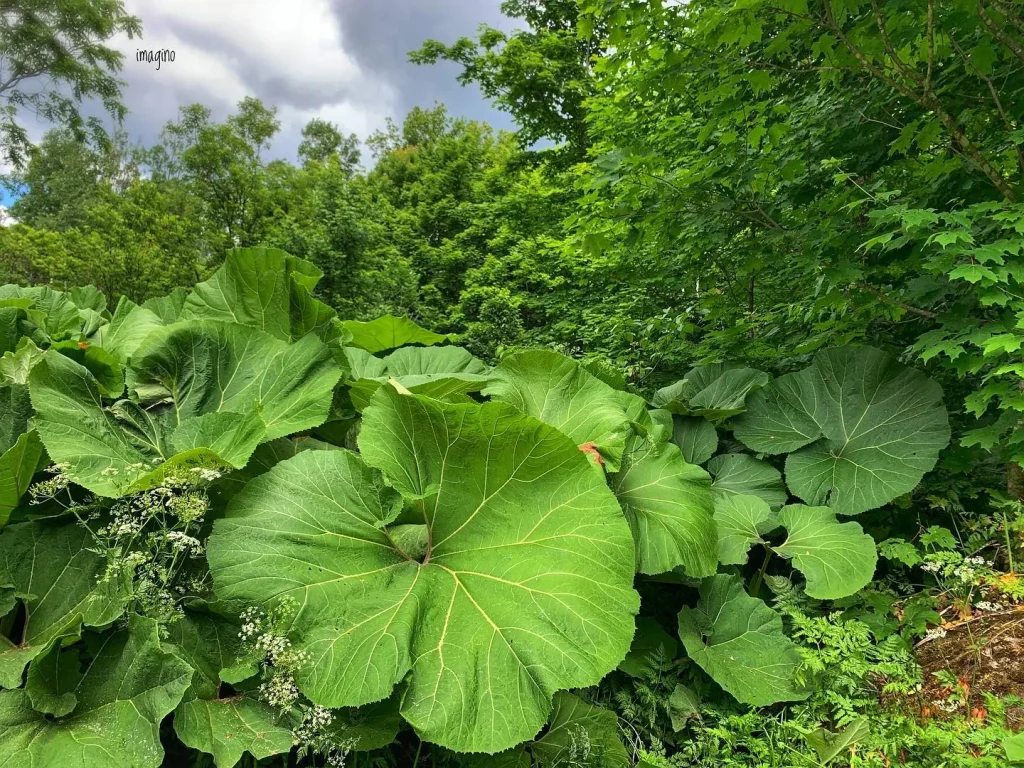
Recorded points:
(470, 553)
(457, 559)
(860, 429)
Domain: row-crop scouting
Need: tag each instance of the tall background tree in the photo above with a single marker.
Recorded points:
(540, 73)
(54, 55)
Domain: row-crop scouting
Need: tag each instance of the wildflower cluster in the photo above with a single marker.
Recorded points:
(318, 734)
(958, 574)
(148, 538)
(265, 643)
(53, 486)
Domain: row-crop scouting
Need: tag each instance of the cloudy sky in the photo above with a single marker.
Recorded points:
(342, 60)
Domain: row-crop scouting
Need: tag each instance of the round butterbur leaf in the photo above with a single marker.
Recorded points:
(742, 521)
(838, 559)
(669, 507)
(860, 428)
(389, 332)
(120, 698)
(561, 392)
(523, 587)
(737, 474)
(739, 641)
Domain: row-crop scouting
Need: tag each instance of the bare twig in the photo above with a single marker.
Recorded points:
(1009, 15)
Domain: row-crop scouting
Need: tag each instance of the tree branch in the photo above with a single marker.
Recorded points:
(910, 308)
(907, 72)
(999, 33)
(1013, 18)
(927, 101)
(931, 47)
(995, 97)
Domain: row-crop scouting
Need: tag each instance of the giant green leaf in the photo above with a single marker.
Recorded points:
(524, 588)
(251, 380)
(210, 642)
(578, 734)
(15, 366)
(264, 458)
(52, 681)
(20, 450)
(828, 745)
(560, 392)
(837, 559)
(113, 451)
(683, 703)
(53, 311)
(742, 521)
(92, 306)
(743, 475)
(61, 583)
(861, 429)
(669, 507)
(127, 689)
(228, 728)
(10, 327)
(389, 332)
(1013, 746)
(104, 367)
(128, 327)
(562, 745)
(89, 297)
(714, 392)
(168, 308)
(15, 411)
(367, 728)
(8, 596)
(210, 366)
(17, 466)
(224, 726)
(739, 642)
(264, 288)
(696, 438)
(437, 372)
(410, 362)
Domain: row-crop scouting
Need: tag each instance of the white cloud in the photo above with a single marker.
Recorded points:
(340, 60)
(291, 55)
(297, 42)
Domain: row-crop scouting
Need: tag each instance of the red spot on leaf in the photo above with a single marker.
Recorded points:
(591, 450)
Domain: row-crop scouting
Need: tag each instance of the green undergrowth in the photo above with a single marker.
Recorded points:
(238, 528)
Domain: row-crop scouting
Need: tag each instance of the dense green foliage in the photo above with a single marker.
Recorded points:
(462, 543)
(675, 429)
